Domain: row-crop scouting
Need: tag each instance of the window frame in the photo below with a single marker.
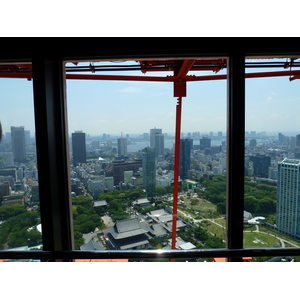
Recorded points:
(52, 137)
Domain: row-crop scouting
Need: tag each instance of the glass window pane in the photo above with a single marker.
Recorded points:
(272, 164)
(20, 227)
(122, 136)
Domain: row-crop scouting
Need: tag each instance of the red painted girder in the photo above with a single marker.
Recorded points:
(28, 75)
(175, 78)
(295, 77)
(176, 171)
(184, 69)
(119, 77)
(247, 75)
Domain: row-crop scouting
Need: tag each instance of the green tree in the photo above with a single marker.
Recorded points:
(214, 242)
(201, 234)
(194, 201)
(221, 208)
(9, 211)
(78, 240)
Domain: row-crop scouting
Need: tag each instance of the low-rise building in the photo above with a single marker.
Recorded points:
(14, 198)
(144, 203)
(126, 234)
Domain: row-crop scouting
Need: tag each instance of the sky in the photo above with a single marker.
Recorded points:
(131, 107)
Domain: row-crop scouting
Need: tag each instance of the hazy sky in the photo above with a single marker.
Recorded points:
(97, 107)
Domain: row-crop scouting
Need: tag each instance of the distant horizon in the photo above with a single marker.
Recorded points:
(202, 134)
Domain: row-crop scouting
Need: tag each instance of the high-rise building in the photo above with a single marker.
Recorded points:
(18, 143)
(95, 144)
(119, 167)
(35, 195)
(185, 157)
(122, 146)
(292, 141)
(78, 147)
(159, 145)
(4, 190)
(149, 168)
(153, 132)
(261, 164)
(205, 142)
(252, 143)
(288, 197)
(280, 138)
(8, 159)
(298, 140)
(127, 176)
(27, 137)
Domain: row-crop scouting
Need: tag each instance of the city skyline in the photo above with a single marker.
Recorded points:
(131, 107)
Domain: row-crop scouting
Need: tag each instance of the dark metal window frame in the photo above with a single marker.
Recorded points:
(52, 143)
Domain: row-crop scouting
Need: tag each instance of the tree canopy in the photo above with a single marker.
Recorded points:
(259, 198)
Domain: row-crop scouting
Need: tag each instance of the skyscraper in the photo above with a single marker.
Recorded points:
(252, 143)
(122, 146)
(261, 164)
(185, 157)
(119, 167)
(78, 147)
(27, 137)
(205, 142)
(298, 140)
(288, 197)
(280, 138)
(18, 143)
(153, 132)
(159, 145)
(149, 168)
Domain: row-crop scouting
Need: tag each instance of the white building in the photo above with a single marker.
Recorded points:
(9, 159)
(109, 183)
(288, 197)
(96, 187)
(128, 176)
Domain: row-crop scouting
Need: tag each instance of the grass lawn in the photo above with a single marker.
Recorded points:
(198, 207)
(251, 239)
(221, 222)
(259, 240)
(202, 205)
(216, 230)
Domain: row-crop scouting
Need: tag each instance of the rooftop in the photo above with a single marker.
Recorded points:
(126, 228)
(291, 161)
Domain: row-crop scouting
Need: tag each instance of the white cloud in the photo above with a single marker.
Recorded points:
(131, 89)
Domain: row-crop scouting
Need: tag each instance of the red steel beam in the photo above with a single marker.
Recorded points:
(176, 171)
(247, 75)
(28, 75)
(184, 69)
(153, 78)
(295, 77)
(181, 91)
(119, 77)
